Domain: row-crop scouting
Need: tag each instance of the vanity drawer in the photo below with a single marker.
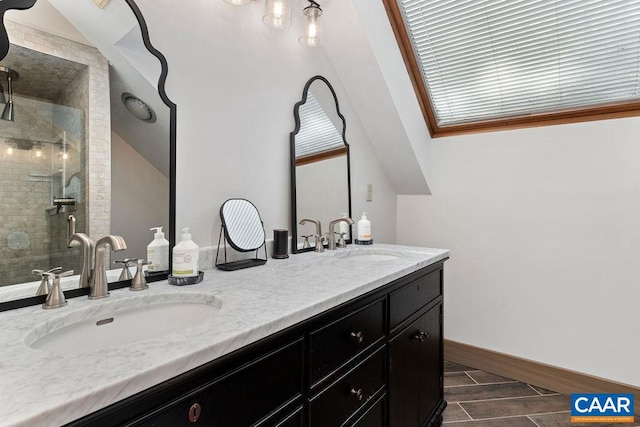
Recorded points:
(375, 416)
(241, 398)
(336, 404)
(415, 295)
(336, 343)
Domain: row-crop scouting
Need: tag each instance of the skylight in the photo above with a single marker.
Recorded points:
(487, 63)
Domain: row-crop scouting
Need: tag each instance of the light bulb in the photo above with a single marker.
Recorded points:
(277, 13)
(38, 152)
(313, 30)
(10, 151)
(312, 36)
(277, 10)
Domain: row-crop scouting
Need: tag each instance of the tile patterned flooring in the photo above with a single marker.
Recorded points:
(480, 399)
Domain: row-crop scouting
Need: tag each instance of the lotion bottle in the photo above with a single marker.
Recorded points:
(158, 252)
(364, 231)
(185, 256)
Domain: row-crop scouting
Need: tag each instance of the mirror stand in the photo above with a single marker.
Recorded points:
(243, 231)
(238, 264)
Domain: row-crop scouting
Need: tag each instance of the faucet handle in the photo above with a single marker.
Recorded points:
(341, 243)
(56, 298)
(139, 282)
(319, 242)
(305, 243)
(125, 274)
(45, 285)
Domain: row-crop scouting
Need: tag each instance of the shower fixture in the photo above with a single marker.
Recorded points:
(8, 113)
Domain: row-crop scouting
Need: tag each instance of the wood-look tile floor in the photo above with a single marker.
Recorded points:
(480, 399)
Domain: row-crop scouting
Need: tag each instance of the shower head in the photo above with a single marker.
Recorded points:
(8, 113)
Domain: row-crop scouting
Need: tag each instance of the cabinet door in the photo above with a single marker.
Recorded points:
(430, 363)
(415, 371)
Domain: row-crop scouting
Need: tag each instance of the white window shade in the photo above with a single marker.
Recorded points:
(317, 133)
(485, 60)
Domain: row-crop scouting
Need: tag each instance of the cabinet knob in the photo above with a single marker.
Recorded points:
(194, 412)
(358, 337)
(357, 393)
(421, 336)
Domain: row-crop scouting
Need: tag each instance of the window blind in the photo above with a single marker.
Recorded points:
(317, 133)
(484, 60)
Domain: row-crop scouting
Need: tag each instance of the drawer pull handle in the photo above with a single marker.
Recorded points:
(357, 393)
(194, 412)
(421, 336)
(358, 337)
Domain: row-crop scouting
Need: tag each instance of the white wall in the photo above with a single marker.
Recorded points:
(235, 82)
(544, 228)
(139, 199)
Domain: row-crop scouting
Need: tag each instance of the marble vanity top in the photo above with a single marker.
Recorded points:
(40, 388)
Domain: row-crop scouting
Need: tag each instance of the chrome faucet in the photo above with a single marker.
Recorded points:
(318, 236)
(81, 239)
(99, 287)
(332, 235)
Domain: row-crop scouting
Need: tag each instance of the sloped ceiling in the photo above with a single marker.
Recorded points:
(362, 47)
(115, 32)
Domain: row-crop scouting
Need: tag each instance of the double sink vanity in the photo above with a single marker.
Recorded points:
(345, 337)
(342, 337)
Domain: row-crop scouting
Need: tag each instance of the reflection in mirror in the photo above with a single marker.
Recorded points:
(75, 146)
(320, 171)
(243, 231)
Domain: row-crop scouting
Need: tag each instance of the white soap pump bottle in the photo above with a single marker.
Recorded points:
(158, 252)
(185, 256)
(364, 231)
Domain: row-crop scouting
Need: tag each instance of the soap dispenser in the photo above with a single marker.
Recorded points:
(185, 256)
(158, 252)
(344, 227)
(364, 231)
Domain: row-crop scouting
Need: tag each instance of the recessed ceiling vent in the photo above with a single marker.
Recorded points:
(138, 108)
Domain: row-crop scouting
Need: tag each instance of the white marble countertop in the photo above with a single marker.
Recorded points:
(41, 388)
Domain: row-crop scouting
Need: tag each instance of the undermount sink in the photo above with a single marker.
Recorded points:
(123, 321)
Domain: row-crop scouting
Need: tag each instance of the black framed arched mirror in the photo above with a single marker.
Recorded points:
(100, 154)
(320, 164)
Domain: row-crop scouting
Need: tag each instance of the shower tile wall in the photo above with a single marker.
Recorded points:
(25, 192)
(98, 120)
(96, 166)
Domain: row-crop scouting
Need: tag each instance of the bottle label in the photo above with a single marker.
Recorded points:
(185, 263)
(158, 258)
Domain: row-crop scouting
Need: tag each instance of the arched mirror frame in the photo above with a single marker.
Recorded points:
(292, 142)
(4, 49)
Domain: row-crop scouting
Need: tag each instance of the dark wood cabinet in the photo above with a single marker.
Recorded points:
(373, 361)
(416, 371)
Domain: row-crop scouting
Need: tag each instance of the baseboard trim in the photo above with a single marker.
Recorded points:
(540, 374)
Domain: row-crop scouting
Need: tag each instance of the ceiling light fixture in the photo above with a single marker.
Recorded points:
(238, 2)
(312, 36)
(278, 14)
